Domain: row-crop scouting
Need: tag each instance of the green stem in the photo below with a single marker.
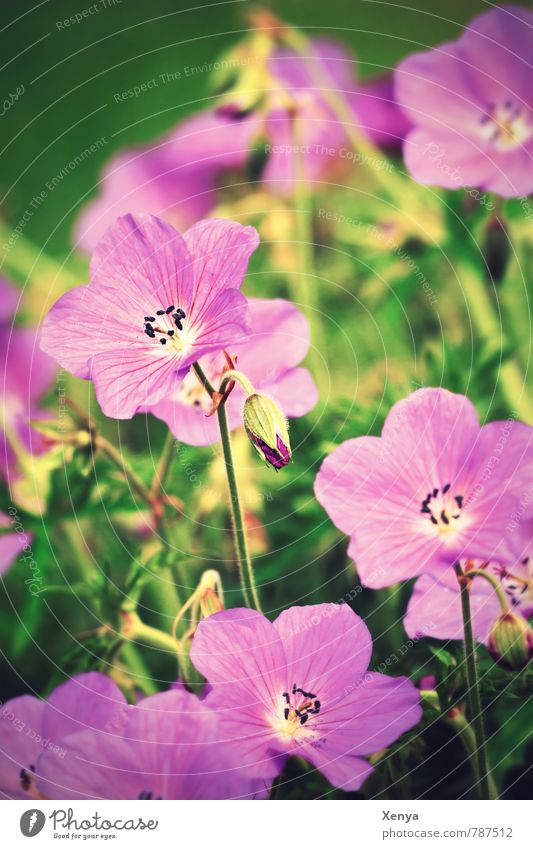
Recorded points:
(474, 701)
(495, 584)
(457, 721)
(120, 461)
(134, 629)
(246, 572)
(484, 317)
(163, 466)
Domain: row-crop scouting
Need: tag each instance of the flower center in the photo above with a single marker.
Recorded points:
(148, 795)
(442, 508)
(506, 125)
(27, 778)
(167, 327)
(297, 708)
(518, 584)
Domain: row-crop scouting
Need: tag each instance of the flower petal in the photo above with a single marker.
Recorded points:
(20, 744)
(89, 700)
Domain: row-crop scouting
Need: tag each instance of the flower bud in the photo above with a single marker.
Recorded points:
(267, 430)
(210, 593)
(511, 641)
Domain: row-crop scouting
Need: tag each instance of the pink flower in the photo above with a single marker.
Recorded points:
(157, 302)
(31, 728)
(434, 489)
(309, 123)
(26, 374)
(471, 103)
(168, 748)
(300, 686)
(175, 178)
(434, 609)
(269, 358)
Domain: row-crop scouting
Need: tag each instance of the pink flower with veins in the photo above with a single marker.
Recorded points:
(471, 103)
(269, 358)
(157, 301)
(300, 687)
(435, 488)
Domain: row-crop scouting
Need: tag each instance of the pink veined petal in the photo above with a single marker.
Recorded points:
(84, 320)
(188, 424)
(20, 747)
(327, 646)
(131, 377)
(513, 172)
(89, 700)
(225, 320)
(434, 609)
(279, 340)
(220, 251)
(240, 648)
(148, 264)
(370, 716)
(343, 770)
(378, 113)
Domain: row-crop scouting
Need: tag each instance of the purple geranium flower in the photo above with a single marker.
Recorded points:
(156, 302)
(31, 728)
(471, 103)
(300, 686)
(167, 749)
(175, 178)
(434, 609)
(269, 358)
(434, 489)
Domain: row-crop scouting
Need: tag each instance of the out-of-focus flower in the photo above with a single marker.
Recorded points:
(26, 374)
(175, 178)
(11, 544)
(31, 727)
(178, 178)
(300, 686)
(471, 103)
(270, 357)
(267, 430)
(157, 301)
(510, 641)
(434, 489)
(434, 609)
(169, 748)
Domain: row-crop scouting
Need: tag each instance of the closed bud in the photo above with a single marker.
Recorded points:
(511, 641)
(267, 430)
(210, 593)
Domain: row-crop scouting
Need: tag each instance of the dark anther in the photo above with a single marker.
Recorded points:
(435, 493)
(163, 341)
(149, 330)
(317, 705)
(180, 313)
(149, 318)
(525, 561)
(286, 697)
(444, 517)
(171, 333)
(303, 719)
(459, 499)
(445, 489)
(435, 522)
(146, 794)
(160, 312)
(25, 779)
(425, 508)
(170, 309)
(294, 689)
(286, 713)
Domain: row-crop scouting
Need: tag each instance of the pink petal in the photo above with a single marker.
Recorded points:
(131, 377)
(327, 647)
(11, 545)
(220, 252)
(89, 700)
(20, 743)
(224, 320)
(147, 262)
